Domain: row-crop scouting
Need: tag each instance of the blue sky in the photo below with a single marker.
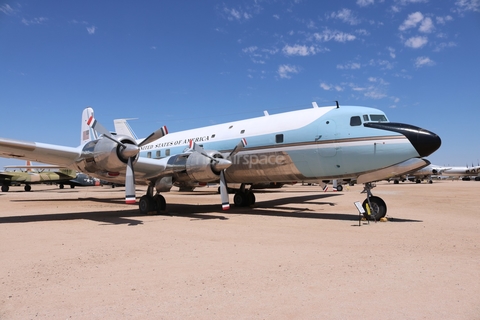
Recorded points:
(188, 64)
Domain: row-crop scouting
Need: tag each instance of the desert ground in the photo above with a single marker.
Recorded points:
(299, 253)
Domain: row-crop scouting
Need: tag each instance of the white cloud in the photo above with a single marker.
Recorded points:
(250, 49)
(328, 87)
(91, 30)
(338, 36)
(406, 2)
(444, 45)
(276, 16)
(412, 21)
(468, 5)
(325, 86)
(34, 21)
(285, 70)
(349, 66)
(6, 9)
(298, 50)
(416, 42)
(424, 61)
(346, 16)
(443, 20)
(392, 52)
(426, 26)
(364, 3)
(236, 14)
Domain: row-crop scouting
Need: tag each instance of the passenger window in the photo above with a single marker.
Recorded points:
(355, 121)
(167, 152)
(242, 132)
(149, 154)
(159, 154)
(279, 138)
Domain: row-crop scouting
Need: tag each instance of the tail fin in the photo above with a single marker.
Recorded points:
(87, 134)
(122, 127)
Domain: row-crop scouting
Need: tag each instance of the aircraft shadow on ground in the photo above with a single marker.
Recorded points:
(293, 207)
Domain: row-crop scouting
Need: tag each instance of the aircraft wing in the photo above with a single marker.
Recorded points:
(39, 152)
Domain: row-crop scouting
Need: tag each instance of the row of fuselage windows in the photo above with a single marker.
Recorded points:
(354, 121)
(158, 154)
(357, 120)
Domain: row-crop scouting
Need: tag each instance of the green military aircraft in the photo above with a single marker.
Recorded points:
(27, 176)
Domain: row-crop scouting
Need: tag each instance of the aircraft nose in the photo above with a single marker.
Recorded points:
(424, 141)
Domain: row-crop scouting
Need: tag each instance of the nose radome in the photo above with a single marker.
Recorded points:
(424, 141)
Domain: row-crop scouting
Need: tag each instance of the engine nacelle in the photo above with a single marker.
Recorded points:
(104, 155)
(195, 167)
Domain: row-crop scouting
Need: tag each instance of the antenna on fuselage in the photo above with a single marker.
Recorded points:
(338, 106)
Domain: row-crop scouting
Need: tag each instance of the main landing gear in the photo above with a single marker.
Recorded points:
(150, 203)
(244, 197)
(378, 208)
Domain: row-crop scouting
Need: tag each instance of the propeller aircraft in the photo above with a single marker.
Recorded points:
(319, 143)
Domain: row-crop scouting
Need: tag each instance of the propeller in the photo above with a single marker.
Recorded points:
(129, 151)
(221, 165)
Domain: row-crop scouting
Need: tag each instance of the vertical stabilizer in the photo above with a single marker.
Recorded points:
(87, 134)
(123, 128)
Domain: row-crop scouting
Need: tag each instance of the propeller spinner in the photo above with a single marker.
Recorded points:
(129, 151)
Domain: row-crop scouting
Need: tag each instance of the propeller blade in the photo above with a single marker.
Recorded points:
(224, 192)
(154, 136)
(130, 183)
(197, 148)
(242, 144)
(97, 126)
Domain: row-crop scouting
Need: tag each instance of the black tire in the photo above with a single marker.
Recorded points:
(251, 198)
(5, 188)
(340, 188)
(27, 187)
(160, 203)
(61, 186)
(239, 199)
(379, 208)
(146, 204)
(72, 186)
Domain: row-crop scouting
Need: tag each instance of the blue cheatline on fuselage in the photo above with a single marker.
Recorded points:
(316, 143)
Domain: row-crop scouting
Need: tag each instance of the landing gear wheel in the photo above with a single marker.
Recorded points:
(160, 203)
(72, 186)
(60, 186)
(378, 209)
(244, 199)
(5, 188)
(251, 199)
(146, 204)
(340, 188)
(239, 199)
(27, 188)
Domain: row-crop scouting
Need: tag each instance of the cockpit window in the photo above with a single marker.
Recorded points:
(355, 121)
(365, 117)
(378, 118)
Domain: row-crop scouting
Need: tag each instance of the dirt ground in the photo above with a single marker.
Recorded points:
(298, 254)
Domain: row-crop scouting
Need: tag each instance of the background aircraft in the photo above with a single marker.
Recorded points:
(305, 145)
(36, 174)
(29, 175)
(420, 174)
(465, 173)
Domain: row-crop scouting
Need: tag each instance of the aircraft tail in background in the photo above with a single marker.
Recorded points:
(123, 128)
